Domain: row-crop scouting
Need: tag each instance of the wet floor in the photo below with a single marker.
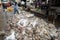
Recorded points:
(1, 20)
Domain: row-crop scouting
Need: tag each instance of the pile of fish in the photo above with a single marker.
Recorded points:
(26, 26)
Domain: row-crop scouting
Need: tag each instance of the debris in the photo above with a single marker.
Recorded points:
(30, 27)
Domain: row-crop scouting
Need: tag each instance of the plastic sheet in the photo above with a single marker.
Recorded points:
(11, 37)
(23, 22)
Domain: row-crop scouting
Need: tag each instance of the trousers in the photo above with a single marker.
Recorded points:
(15, 10)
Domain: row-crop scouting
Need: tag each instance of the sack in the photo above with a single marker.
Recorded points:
(9, 9)
(22, 3)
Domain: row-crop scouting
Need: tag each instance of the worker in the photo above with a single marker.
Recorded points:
(4, 6)
(16, 8)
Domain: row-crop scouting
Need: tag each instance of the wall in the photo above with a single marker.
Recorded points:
(17, 1)
(0, 1)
